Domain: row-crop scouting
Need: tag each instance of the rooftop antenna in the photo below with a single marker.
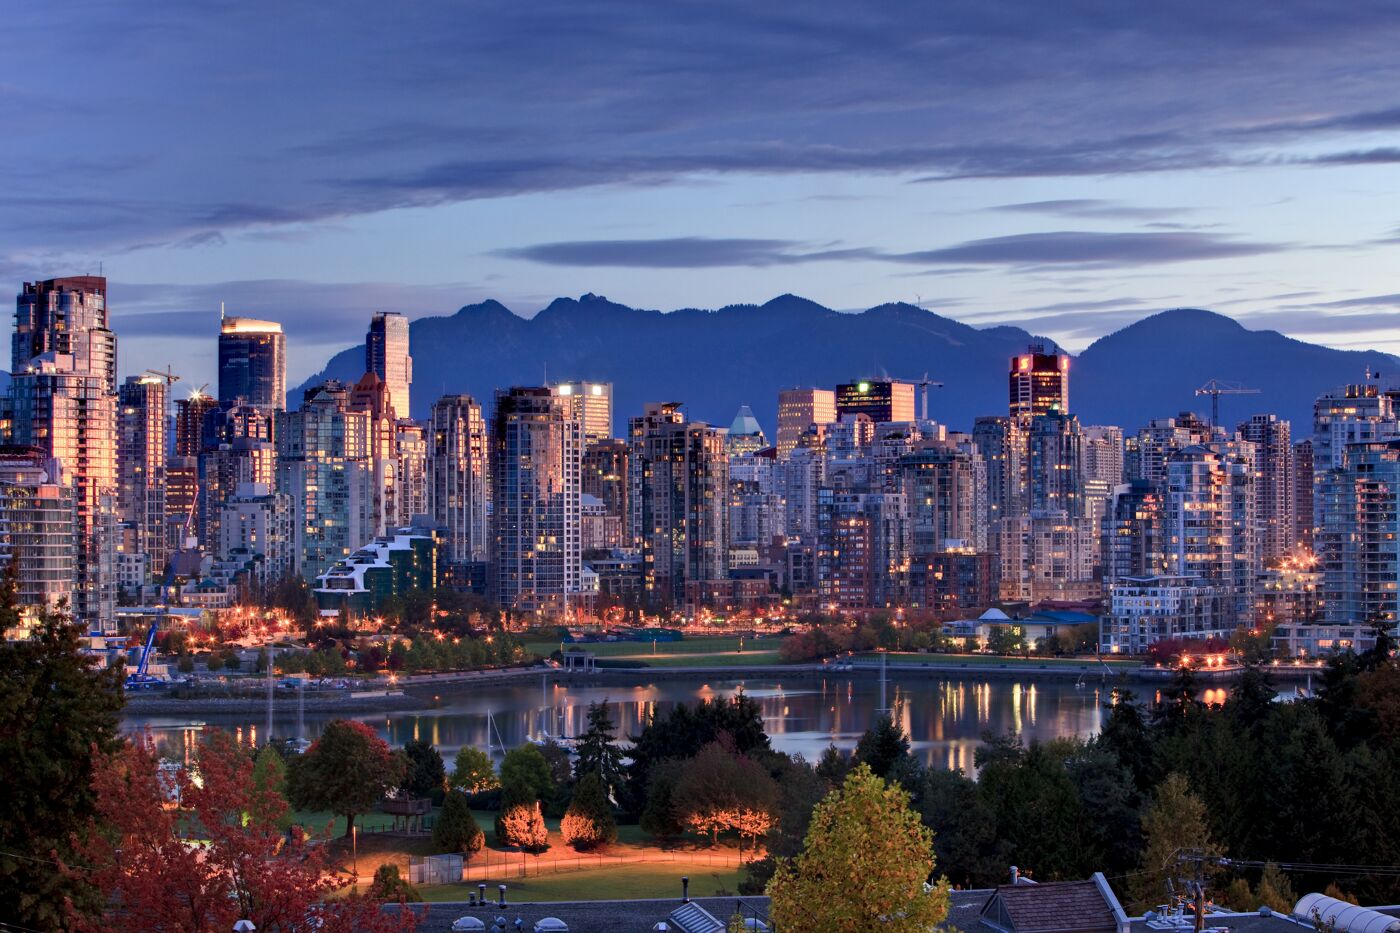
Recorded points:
(221, 312)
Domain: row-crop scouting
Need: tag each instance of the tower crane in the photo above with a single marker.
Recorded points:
(1218, 387)
(168, 375)
(923, 383)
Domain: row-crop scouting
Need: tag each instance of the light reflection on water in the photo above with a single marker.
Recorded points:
(945, 719)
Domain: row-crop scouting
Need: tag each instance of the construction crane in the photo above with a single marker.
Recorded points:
(1218, 387)
(923, 383)
(168, 375)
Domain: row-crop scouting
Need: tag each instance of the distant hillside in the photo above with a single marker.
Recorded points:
(715, 361)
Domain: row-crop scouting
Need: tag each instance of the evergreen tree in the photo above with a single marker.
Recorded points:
(57, 707)
(598, 752)
(964, 828)
(881, 747)
(589, 822)
(525, 774)
(426, 775)
(659, 816)
(456, 829)
(474, 772)
(391, 887)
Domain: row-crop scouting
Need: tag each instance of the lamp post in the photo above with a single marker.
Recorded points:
(355, 851)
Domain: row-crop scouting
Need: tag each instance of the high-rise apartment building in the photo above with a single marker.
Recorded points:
(323, 464)
(458, 483)
(939, 483)
(1055, 465)
(1103, 454)
(386, 355)
(605, 477)
(63, 401)
(1039, 382)
(371, 396)
(1358, 547)
(1303, 517)
(1353, 414)
(411, 446)
(1274, 487)
(590, 403)
(142, 443)
(1133, 546)
(683, 504)
(252, 363)
(862, 558)
(880, 400)
(36, 527)
(189, 422)
(256, 526)
(1209, 524)
(799, 409)
(536, 453)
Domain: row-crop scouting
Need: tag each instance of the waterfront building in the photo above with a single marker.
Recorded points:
(141, 453)
(37, 529)
(458, 484)
(1274, 487)
(1358, 544)
(1209, 524)
(390, 566)
(387, 356)
(323, 464)
(63, 401)
(1146, 610)
(683, 504)
(252, 363)
(536, 455)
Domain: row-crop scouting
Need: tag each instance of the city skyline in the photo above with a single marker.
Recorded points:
(969, 163)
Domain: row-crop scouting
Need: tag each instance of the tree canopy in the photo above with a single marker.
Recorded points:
(348, 770)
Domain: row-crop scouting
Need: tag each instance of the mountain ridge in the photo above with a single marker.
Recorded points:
(718, 359)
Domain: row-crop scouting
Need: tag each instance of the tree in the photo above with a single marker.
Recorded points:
(426, 776)
(800, 789)
(525, 773)
(964, 828)
(270, 774)
(720, 790)
(473, 772)
(598, 752)
(456, 829)
(685, 729)
(389, 885)
(347, 771)
(867, 856)
(246, 867)
(1174, 821)
(57, 706)
(1040, 818)
(881, 747)
(522, 824)
(659, 817)
(589, 822)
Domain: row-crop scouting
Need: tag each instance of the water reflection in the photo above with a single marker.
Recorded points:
(945, 719)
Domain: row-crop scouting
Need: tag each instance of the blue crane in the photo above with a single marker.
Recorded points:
(140, 679)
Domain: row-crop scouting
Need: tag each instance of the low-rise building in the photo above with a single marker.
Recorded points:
(1145, 610)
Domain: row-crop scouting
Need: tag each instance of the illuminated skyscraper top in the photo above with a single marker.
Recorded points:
(386, 355)
(252, 363)
(591, 404)
(1039, 382)
(67, 316)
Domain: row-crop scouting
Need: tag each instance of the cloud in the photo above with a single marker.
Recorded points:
(439, 106)
(1062, 248)
(1099, 250)
(1093, 208)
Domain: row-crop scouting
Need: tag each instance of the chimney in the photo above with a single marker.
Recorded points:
(482, 889)
(503, 894)
(685, 889)
(1015, 875)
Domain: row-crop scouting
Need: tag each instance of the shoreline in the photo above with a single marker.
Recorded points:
(420, 692)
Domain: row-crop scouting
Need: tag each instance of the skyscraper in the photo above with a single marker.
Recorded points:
(1274, 487)
(458, 485)
(1208, 524)
(36, 526)
(591, 405)
(371, 396)
(252, 363)
(386, 355)
(683, 504)
(799, 409)
(1358, 547)
(535, 457)
(323, 465)
(1039, 382)
(605, 478)
(141, 452)
(882, 400)
(63, 396)
(1303, 518)
(189, 422)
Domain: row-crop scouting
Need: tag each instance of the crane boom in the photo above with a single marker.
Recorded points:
(1218, 387)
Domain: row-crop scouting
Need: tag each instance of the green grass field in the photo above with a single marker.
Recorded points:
(623, 882)
(992, 660)
(702, 651)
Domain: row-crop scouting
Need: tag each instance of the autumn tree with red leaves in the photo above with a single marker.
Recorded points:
(348, 770)
(173, 854)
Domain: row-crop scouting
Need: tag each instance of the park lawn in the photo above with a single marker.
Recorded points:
(704, 651)
(620, 882)
(991, 660)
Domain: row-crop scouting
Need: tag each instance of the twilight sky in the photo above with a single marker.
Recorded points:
(1069, 166)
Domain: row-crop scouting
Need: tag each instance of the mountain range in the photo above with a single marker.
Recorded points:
(715, 361)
